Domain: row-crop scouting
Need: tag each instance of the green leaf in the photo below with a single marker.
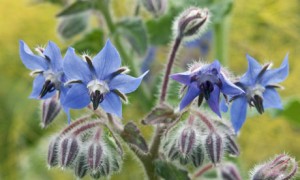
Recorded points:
(160, 29)
(291, 112)
(162, 113)
(168, 171)
(132, 136)
(92, 42)
(75, 8)
(134, 31)
(220, 10)
(72, 25)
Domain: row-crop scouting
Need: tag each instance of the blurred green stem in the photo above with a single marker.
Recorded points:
(220, 41)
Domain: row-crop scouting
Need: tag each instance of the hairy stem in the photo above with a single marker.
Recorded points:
(220, 42)
(170, 63)
(203, 170)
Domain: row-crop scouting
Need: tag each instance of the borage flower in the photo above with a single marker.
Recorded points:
(101, 81)
(47, 67)
(259, 84)
(206, 81)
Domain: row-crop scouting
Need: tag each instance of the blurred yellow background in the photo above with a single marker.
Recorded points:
(265, 29)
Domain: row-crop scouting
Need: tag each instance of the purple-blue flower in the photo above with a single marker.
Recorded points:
(100, 80)
(206, 81)
(259, 84)
(47, 67)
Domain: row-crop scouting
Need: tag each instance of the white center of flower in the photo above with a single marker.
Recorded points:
(95, 85)
(255, 90)
(55, 78)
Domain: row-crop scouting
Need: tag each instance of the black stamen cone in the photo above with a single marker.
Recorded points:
(96, 98)
(207, 87)
(47, 87)
(258, 103)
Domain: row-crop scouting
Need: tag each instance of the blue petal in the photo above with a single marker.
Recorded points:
(229, 88)
(183, 77)
(238, 112)
(106, 61)
(215, 65)
(271, 99)
(223, 105)
(190, 95)
(214, 100)
(126, 83)
(112, 104)
(250, 76)
(77, 97)
(31, 61)
(53, 52)
(274, 76)
(37, 87)
(75, 68)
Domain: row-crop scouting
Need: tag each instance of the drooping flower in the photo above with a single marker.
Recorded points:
(47, 67)
(259, 84)
(100, 80)
(206, 81)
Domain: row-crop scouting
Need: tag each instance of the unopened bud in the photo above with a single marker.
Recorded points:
(173, 152)
(230, 172)
(50, 109)
(81, 167)
(68, 151)
(156, 7)
(186, 141)
(95, 153)
(231, 146)
(191, 23)
(198, 156)
(105, 167)
(214, 147)
(281, 167)
(53, 152)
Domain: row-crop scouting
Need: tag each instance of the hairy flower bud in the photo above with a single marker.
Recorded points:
(52, 152)
(231, 146)
(156, 7)
(214, 147)
(198, 156)
(191, 23)
(68, 151)
(50, 109)
(230, 172)
(187, 141)
(281, 167)
(95, 152)
(81, 168)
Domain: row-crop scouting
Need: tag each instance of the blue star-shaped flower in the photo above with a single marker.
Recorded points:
(206, 81)
(259, 83)
(101, 81)
(47, 66)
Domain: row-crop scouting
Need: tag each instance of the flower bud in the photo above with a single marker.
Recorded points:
(52, 152)
(187, 141)
(50, 109)
(95, 153)
(231, 146)
(105, 167)
(156, 7)
(281, 167)
(230, 172)
(198, 156)
(214, 147)
(81, 167)
(173, 152)
(191, 23)
(69, 149)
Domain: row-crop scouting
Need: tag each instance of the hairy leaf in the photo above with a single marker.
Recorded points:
(167, 170)
(135, 32)
(161, 114)
(75, 8)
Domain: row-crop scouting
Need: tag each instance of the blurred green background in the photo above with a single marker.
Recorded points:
(266, 29)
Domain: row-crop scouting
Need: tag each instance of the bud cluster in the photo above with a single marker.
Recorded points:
(86, 147)
(199, 138)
